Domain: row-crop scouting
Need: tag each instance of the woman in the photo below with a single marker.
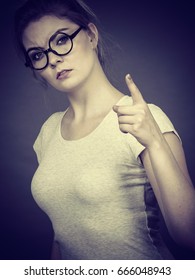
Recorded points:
(106, 160)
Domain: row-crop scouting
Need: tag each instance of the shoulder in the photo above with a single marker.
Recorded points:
(51, 124)
(162, 120)
(46, 132)
(53, 120)
(158, 114)
(156, 111)
(126, 100)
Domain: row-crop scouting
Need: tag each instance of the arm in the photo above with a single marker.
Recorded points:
(165, 165)
(166, 169)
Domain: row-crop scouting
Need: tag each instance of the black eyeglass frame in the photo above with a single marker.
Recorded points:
(28, 62)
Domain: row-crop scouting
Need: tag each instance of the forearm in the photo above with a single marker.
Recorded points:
(165, 165)
(173, 189)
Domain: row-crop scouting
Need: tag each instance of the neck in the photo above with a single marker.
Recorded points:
(93, 98)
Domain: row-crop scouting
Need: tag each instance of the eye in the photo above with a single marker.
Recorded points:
(36, 56)
(62, 40)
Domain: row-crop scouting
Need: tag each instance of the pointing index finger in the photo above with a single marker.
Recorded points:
(135, 93)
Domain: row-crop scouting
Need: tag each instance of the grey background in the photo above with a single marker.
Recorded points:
(156, 45)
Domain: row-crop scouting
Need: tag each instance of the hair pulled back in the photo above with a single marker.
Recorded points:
(75, 10)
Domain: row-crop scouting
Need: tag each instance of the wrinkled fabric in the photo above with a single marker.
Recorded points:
(96, 191)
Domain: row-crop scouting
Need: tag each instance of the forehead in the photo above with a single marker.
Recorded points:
(38, 32)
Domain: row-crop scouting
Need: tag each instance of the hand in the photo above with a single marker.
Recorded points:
(137, 118)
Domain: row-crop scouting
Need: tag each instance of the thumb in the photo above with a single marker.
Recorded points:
(135, 93)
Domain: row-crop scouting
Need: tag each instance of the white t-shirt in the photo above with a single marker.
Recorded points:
(96, 192)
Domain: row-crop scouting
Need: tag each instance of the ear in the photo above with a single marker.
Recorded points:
(93, 34)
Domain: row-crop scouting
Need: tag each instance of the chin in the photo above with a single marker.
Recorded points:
(72, 85)
(67, 87)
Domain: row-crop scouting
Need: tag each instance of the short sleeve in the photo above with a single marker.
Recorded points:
(164, 124)
(37, 146)
(46, 133)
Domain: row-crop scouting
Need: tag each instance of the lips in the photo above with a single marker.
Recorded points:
(62, 74)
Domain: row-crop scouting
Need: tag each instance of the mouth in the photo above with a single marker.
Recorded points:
(63, 74)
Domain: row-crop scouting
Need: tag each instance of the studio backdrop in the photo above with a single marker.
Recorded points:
(152, 40)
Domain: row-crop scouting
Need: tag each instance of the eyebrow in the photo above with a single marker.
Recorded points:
(51, 38)
(61, 29)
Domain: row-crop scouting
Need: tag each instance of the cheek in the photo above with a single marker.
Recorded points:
(82, 59)
(83, 52)
(86, 60)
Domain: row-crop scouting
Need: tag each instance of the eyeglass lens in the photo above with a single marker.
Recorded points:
(61, 44)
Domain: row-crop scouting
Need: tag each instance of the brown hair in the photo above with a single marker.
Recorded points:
(75, 10)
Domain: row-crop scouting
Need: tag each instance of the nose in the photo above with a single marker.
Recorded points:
(54, 59)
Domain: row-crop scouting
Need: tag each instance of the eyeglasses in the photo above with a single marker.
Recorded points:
(60, 44)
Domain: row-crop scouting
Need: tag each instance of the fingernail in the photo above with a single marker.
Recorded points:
(115, 108)
(129, 77)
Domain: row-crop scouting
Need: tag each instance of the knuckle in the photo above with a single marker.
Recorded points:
(135, 128)
(142, 111)
(120, 119)
(141, 116)
(140, 119)
(123, 127)
(143, 107)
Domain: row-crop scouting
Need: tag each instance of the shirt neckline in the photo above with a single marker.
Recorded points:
(92, 133)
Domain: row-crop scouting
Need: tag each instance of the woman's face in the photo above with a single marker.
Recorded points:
(67, 72)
